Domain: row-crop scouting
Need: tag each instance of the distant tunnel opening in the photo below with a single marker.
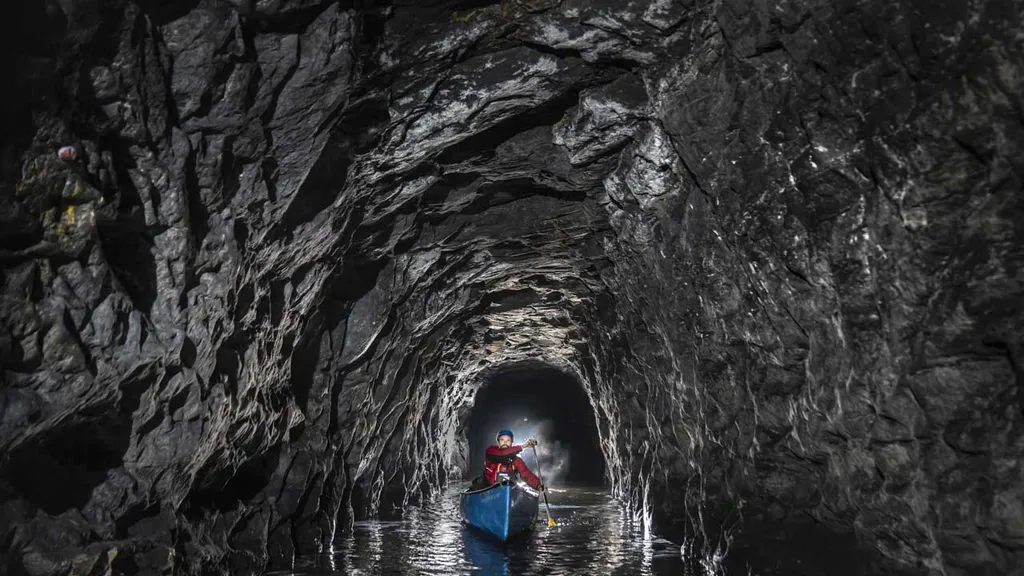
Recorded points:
(542, 403)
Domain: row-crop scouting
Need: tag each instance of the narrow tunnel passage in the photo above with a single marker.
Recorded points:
(255, 255)
(542, 403)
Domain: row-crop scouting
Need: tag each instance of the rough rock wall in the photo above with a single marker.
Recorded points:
(829, 314)
(779, 244)
(147, 358)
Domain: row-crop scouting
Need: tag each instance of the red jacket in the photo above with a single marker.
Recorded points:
(505, 459)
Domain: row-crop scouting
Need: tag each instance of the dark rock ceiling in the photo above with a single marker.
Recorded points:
(779, 244)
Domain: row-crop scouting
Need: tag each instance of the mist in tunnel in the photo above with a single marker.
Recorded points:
(545, 404)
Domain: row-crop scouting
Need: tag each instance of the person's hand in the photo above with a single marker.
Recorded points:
(530, 443)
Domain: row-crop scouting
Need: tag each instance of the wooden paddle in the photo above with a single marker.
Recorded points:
(551, 521)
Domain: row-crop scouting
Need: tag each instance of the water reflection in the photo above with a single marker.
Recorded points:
(595, 535)
(485, 555)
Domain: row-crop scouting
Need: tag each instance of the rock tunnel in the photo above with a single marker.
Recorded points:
(769, 254)
(537, 400)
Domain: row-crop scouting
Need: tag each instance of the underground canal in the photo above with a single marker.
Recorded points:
(592, 531)
(535, 401)
(275, 273)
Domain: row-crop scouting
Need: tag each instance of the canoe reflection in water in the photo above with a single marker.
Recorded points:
(486, 555)
(595, 535)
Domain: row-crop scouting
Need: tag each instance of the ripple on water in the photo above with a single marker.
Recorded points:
(595, 535)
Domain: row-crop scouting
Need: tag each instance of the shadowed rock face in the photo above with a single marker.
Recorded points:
(778, 243)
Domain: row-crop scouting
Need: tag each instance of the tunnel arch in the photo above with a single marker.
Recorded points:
(535, 399)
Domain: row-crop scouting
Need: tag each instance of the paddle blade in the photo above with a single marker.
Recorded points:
(551, 522)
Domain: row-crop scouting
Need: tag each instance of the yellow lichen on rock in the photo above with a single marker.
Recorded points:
(464, 18)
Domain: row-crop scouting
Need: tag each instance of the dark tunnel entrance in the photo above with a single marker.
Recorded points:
(542, 403)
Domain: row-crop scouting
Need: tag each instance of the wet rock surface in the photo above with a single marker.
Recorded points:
(778, 243)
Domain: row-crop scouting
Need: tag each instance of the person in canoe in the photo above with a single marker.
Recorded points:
(503, 457)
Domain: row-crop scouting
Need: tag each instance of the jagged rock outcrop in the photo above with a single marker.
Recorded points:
(779, 243)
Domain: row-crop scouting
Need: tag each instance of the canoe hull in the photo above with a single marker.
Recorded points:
(502, 510)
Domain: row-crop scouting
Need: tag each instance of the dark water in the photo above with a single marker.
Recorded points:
(595, 535)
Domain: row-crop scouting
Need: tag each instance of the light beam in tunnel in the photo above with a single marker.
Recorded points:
(543, 403)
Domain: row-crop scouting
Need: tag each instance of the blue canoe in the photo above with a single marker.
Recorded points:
(502, 510)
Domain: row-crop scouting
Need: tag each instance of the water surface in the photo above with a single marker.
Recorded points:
(595, 534)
